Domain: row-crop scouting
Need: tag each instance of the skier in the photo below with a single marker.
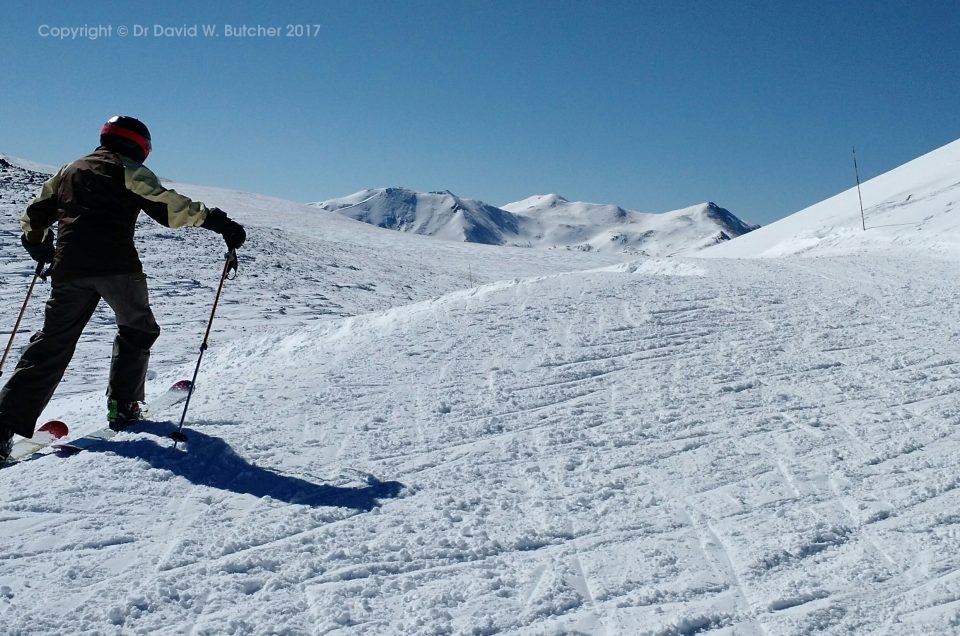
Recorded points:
(95, 202)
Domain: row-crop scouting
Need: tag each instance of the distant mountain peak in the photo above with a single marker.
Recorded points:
(727, 219)
(554, 199)
(546, 221)
(539, 201)
(440, 213)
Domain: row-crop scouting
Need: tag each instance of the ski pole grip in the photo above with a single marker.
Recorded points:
(232, 264)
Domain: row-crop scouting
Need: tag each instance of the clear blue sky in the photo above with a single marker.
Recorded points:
(652, 105)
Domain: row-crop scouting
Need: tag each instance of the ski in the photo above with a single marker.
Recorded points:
(44, 436)
(176, 394)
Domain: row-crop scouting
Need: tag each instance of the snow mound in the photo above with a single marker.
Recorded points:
(661, 267)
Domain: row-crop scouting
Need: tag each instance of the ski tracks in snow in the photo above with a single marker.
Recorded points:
(746, 448)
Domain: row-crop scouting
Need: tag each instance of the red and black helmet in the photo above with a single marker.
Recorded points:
(128, 136)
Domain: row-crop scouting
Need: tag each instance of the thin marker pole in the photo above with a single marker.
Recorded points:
(856, 170)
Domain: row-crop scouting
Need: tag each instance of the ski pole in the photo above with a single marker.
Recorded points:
(230, 263)
(37, 274)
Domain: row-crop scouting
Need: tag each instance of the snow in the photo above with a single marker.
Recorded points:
(440, 214)
(543, 222)
(913, 206)
(394, 434)
(27, 164)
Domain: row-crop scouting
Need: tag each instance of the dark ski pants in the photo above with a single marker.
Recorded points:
(45, 359)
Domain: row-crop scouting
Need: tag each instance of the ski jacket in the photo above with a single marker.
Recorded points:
(95, 202)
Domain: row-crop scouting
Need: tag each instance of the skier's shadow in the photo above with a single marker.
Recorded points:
(209, 461)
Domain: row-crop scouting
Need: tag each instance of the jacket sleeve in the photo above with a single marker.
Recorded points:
(43, 211)
(164, 206)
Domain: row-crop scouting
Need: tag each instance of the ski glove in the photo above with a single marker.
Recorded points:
(232, 232)
(41, 252)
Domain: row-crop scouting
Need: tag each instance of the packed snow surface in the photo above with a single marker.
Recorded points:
(397, 435)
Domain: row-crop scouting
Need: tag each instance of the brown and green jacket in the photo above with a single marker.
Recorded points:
(95, 202)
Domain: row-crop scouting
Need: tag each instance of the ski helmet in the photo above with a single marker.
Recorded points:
(128, 136)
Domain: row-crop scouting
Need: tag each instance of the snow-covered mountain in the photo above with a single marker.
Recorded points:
(393, 434)
(552, 220)
(547, 221)
(440, 214)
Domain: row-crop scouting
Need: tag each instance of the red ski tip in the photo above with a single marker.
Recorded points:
(183, 385)
(56, 428)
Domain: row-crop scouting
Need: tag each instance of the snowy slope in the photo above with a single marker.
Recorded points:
(8, 161)
(914, 206)
(546, 221)
(738, 449)
(398, 435)
(297, 265)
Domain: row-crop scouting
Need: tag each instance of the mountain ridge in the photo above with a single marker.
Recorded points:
(548, 221)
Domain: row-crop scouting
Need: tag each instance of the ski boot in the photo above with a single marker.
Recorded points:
(6, 442)
(121, 415)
